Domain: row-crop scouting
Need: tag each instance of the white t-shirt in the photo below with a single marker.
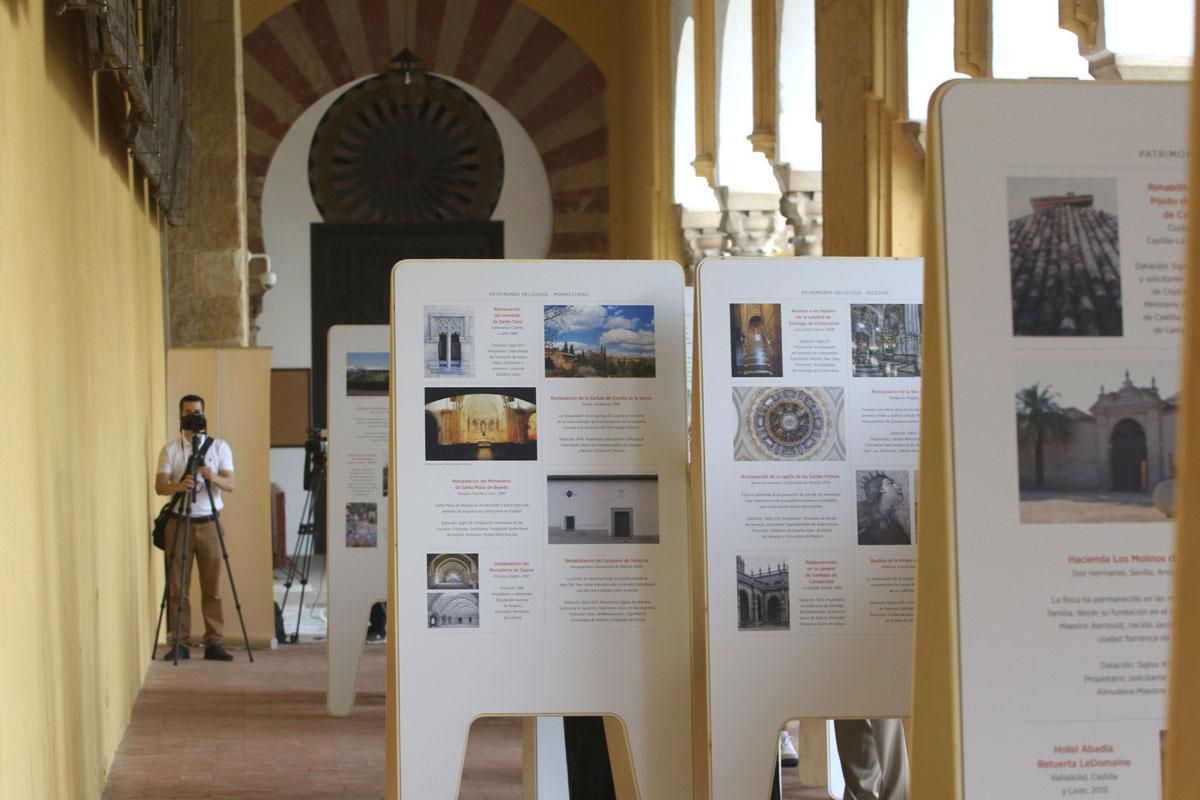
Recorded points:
(173, 460)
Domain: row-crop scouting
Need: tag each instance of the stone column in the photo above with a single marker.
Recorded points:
(702, 238)
(869, 156)
(208, 280)
(801, 206)
(753, 223)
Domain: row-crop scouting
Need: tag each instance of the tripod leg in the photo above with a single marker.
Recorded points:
(293, 561)
(305, 560)
(166, 598)
(168, 557)
(232, 586)
(228, 569)
(310, 527)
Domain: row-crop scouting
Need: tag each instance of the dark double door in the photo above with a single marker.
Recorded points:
(351, 276)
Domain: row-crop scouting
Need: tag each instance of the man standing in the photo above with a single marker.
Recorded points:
(212, 475)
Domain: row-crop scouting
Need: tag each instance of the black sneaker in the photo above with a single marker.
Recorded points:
(216, 652)
(184, 653)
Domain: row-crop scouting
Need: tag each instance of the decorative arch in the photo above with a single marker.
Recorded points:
(504, 48)
(453, 571)
(454, 610)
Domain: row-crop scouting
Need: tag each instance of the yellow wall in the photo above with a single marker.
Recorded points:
(81, 381)
(630, 42)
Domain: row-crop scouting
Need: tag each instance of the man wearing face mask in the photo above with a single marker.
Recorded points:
(209, 476)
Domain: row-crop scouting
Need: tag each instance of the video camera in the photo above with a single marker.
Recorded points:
(314, 456)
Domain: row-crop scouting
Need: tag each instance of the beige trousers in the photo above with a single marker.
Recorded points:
(205, 549)
(874, 758)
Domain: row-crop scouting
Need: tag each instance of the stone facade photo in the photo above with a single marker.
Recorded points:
(763, 593)
(602, 509)
(1101, 464)
(449, 342)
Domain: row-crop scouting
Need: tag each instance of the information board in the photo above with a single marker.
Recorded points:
(810, 392)
(356, 510)
(1062, 270)
(540, 456)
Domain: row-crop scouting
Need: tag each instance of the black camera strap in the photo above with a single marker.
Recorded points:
(198, 455)
(197, 458)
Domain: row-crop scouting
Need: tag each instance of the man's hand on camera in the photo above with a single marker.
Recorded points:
(186, 483)
(206, 473)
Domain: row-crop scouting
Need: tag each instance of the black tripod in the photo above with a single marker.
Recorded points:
(300, 561)
(182, 509)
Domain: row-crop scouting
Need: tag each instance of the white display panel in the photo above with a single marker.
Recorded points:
(357, 511)
(1064, 210)
(810, 381)
(540, 456)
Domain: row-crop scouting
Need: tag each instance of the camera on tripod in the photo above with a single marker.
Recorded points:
(312, 527)
(314, 456)
(196, 423)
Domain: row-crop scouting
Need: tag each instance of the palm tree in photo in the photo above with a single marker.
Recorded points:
(1041, 421)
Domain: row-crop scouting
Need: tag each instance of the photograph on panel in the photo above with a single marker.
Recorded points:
(362, 525)
(755, 340)
(790, 423)
(885, 340)
(762, 592)
(485, 424)
(1096, 440)
(602, 509)
(453, 609)
(452, 570)
(1064, 256)
(594, 341)
(367, 374)
(884, 498)
(449, 342)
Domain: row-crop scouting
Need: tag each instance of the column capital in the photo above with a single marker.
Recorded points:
(753, 223)
(702, 238)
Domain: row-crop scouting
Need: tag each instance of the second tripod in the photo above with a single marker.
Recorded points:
(299, 563)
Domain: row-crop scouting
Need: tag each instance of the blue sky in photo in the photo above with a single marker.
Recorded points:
(622, 330)
(366, 360)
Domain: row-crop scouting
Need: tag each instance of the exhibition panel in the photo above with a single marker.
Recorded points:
(539, 457)
(1049, 434)
(356, 507)
(809, 396)
(1183, 739)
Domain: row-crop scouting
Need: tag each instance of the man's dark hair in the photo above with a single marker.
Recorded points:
(191, 398)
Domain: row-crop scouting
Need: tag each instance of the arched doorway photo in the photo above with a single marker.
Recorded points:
(774, 617)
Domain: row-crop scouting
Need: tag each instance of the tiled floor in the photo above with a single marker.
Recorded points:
(242, 730)
(250, 731)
